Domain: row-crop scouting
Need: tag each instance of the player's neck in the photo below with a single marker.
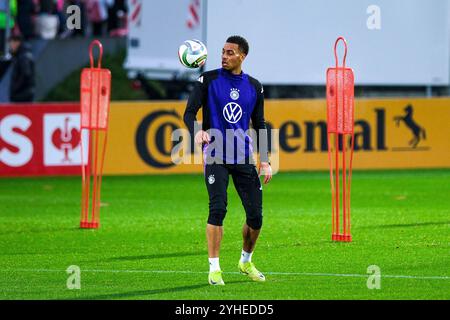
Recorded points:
(236, 71)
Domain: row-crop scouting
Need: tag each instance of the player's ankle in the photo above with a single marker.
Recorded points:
(246, 256)
(214, 264)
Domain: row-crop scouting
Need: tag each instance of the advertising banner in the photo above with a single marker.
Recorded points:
(40, 139)
(389, 133)
(44, 139)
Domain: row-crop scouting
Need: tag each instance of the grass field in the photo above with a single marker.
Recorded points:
(151, 244)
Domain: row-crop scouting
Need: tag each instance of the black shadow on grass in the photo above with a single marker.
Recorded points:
(132, 294)
(157, 256)
(41, 230)
(406, 225)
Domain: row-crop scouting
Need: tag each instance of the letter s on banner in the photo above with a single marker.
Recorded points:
(15, 139)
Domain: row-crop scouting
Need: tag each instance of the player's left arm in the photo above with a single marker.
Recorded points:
(259, 124)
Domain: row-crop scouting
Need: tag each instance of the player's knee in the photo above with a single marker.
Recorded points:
(255, 223)
(217, 211)
(255, 219)
(216, 217)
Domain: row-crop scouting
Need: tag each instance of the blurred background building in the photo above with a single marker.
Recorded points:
(397, 48)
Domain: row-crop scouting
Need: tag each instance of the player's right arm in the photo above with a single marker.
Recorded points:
(196, 100)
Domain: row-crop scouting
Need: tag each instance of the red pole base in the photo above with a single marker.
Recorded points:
(89, 225)
(341, 237)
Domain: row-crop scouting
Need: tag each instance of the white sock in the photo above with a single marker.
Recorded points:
(246, 257)
(214, 264)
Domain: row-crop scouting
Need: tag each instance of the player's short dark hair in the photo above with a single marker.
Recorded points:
(241, 42)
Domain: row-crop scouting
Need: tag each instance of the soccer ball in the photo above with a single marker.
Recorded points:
(192, 54)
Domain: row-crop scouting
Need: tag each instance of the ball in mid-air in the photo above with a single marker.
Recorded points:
(192, 53)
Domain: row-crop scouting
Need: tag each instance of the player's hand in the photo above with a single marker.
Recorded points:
(202, 137)
(267, 171)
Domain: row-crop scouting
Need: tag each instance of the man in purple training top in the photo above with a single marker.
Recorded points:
(229, 99)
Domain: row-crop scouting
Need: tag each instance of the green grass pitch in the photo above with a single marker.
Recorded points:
(152, 244)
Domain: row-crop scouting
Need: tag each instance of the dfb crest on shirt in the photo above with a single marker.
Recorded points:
(211, 179)
(234, 94)
(232, 112)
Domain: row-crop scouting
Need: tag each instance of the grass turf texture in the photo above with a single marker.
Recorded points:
(152, 225)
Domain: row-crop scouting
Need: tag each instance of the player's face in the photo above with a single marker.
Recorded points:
(232, 57)
(14, 46)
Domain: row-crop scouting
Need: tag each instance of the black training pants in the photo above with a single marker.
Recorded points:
(247, 183)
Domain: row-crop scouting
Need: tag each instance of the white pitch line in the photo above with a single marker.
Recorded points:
(312, 274)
